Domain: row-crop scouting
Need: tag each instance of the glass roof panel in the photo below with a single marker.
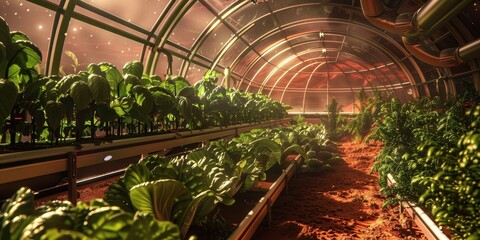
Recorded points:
(233, 52)
(245, 15)
(191, 25)
(105, 20)
(143, 14)
(219, 5)
(195, 73)
(242, 65)
(93, 45)
(30, 19)
(260, 28)
(215, 41)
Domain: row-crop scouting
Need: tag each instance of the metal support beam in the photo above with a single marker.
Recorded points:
(72, 177)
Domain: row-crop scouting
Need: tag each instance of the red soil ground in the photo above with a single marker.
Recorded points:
(341, 203)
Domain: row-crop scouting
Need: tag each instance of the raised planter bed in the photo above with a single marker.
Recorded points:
(262, 209)
(65, 161)
(421, 218)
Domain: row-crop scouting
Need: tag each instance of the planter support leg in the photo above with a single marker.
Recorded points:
(72, 177)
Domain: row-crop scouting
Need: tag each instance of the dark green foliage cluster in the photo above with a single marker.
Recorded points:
(160, 197)
(335, 121)
(369, 110)
(430, 148)
(116, 101)
(20, 219)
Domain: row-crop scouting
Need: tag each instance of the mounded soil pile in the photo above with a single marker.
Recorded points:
(340, 203)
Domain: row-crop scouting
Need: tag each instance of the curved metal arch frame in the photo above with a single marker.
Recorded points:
(366, 27)
(302, 43)
(376, 46)
(219, 18)
(238, 34)
(293, 77)
(167, 28)
(309, 79)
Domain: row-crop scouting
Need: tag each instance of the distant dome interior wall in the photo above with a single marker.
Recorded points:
(302, 52)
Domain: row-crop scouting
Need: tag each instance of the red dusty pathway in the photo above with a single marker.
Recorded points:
(341, 203)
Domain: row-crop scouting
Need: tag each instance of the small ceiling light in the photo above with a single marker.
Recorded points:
(324, 50)
(107, 158)
(322, 35)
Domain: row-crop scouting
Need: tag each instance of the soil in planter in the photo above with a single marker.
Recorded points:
(342, 203)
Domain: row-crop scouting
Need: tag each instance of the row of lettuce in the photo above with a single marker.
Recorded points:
(103, 98)
(160, 197)
(431, 148)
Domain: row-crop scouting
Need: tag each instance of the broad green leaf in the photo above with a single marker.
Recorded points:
(118, 195)
(26, 54)
(55, 112)
(117, 85)
(99, 87)
(106, 66)
(122, 106)
(144, 98)
(26, 76)
(264, 147)
(8, 93)
(158, 230)
(295, 148)
(187, 218)
(15, 212)
(108, 223)
(130, 82)
(62, 234)
(136, 112)
(16, 35)
(175, 84)
(212, 74)
(49, 220)
(146, 81)
(133, 67)
(105, 113)
(187, 92)
(94, 68)
(158, 197)
(12, 73)
(32, 90)
(66, 82)
(81, 94)
(136, 174)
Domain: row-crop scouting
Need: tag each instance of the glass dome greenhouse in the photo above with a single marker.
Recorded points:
(299, 52)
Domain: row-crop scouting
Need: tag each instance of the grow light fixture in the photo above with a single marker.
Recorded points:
(322, 35)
